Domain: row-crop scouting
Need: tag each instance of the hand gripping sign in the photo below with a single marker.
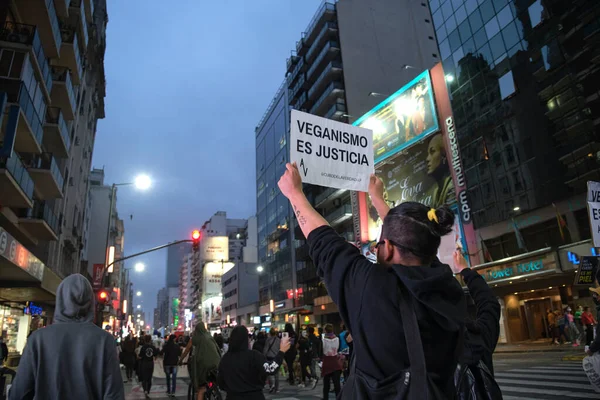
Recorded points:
(331, 153)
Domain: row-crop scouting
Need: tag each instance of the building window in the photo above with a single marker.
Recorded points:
(507, 85)
(536, 13)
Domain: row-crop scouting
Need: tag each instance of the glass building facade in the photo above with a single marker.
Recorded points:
(273, 209)
(521, 79)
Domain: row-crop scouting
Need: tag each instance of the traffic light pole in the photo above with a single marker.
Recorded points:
(101, 313)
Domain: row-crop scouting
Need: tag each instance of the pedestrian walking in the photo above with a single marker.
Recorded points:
(381, 304)
(571, 327)
(588, 321)
(259, 343)
(333, 362)
(171, 352)
(128, 356)
(316, 351)
(290, 356)
(204, 359)
(71, 358)
(561, 322)
(147, 356)
(243, 372)
(552, 328)
(270, 352)
(305, 354)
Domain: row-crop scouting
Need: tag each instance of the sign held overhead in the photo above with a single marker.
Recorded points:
(593, 201)
(331, 153)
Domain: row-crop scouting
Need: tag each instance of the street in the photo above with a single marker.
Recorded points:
(521, 376)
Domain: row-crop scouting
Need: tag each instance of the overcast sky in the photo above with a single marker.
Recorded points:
(186, 86)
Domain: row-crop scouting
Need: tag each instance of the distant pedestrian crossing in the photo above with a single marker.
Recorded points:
(565, 380)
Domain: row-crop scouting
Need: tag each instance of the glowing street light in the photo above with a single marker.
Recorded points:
(138, 293)
(260, 268)
(143, 182)
(138, 307)
(139, 267)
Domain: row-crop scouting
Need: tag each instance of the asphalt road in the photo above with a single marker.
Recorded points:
(521, 376)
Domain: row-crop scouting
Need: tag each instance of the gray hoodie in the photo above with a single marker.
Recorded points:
(72, 358)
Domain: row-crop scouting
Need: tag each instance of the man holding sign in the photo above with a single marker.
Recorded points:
(331, 153)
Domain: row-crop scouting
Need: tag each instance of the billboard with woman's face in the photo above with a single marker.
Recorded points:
(402, 119)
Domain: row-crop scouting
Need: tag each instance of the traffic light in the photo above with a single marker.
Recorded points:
(196, 235)
(103, 297)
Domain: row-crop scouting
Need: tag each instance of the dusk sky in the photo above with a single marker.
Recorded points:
(186, 86)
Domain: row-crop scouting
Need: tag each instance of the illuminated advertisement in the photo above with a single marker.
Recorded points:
(215, 248)
(402, 119)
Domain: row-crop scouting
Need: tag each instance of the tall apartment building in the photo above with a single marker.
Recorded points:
(162, 303)
(340, 61)
(525, 103)
(52, 89)
(175, 256)
(186, 285)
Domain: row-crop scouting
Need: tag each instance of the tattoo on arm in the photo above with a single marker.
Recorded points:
(301, 218)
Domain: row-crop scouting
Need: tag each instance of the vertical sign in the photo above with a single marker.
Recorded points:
(98, 268)
(586, 273)
(593, 202)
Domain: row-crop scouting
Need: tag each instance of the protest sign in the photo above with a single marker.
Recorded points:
(594, 210)
(586, 274)
(331, 153)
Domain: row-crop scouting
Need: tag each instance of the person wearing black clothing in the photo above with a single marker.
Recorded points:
(243, 372)
(171, 352)
(368, 295)
(316, 350)
(290, 356)
(128, 356)
(305, 352)
(147, 355)
(259, 343)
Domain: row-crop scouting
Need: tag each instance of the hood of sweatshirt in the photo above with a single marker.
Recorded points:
(74, 300)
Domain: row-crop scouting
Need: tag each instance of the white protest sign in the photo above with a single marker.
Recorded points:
(331, 153)
(593, 201)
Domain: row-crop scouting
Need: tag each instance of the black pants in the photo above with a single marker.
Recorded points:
(289, 360)
(305, 362)
(146, 372)
(336, 384)
(589, 334)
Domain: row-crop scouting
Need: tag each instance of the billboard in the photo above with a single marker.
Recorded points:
(402, 119)
(215, 248)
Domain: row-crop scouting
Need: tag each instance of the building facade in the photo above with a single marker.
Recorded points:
(52, 89)
(162, 303)
(524, 98)
(336, 71)
(175, 256)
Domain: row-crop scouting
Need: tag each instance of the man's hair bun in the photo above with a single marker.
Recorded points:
(445, 222)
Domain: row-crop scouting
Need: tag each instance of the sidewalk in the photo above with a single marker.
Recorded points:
(538, 346)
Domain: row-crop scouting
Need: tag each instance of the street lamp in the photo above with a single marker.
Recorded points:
(138, 307)
(260, 268)
(143, 182)
(138, 293)
(139, 267)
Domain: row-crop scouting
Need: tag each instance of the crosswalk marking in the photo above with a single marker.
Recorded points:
(529, 382)
(542, 377)
(549, 372)
(576, 395)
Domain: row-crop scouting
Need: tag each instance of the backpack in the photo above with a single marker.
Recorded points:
(413, 383)
(476, 382)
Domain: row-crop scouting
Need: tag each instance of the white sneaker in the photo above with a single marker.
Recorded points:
(301, 385)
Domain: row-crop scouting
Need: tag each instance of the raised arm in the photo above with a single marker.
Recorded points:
(188, 348)
(376, 193)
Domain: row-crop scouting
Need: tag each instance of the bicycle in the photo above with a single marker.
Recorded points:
(212, 388)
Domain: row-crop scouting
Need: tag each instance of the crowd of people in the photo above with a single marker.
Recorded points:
(407, 331)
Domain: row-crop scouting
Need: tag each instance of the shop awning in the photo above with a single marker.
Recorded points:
(23, 277)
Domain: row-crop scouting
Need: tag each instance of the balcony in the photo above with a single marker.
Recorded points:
(330, 93)
(62, 7)
(16, 185)
(47, 177)
(63, 94)
(339, 215)
(331, 72)
(69, 54)
(56, 133)
(293, 76)
(77, 18)
(328, 195)
(325, 54)
(26, 38)
(42, 15)
(40, 222)
(29, 131)
(337, 110)
(327, 30)
(89, 10)
(325, 13)
(290, 62)
(297, 89)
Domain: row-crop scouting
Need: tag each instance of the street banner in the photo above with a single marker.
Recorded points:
(97, 277)
(586, 273)
(402, 119)
(331, 153)
(593, 201)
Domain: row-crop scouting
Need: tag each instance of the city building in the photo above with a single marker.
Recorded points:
(162, 303)
(156, 321)
(240, 282)
(339, 72)
(52, 89)
(172, 310)
(186, 287)
(175, 256)
(524, 98)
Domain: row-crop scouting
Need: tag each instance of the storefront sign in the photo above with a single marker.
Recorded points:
(330, 153)
(97, 277)
(16, 253)
(280, 305)
(593, 192)
(32, 309)
(511, 271)
(586, 274)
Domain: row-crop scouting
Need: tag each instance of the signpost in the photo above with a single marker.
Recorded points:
(331, 153)
(593, 202)
(586, 274)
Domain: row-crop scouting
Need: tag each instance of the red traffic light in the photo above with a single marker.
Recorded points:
(196, 235)
(103, 296)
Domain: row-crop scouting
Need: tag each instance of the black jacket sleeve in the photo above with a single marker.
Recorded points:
(488, 308)
(595, 346)
(343, 268)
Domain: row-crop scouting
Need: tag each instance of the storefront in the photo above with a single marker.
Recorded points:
(527, 286)
(27, 293)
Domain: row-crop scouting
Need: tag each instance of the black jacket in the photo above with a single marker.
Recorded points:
(72, 351)
(367, 297)
(171, 352)
(242, 374)
(595, 346)
(482, 334)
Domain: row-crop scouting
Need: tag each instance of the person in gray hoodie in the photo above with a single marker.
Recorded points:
(72, 358)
